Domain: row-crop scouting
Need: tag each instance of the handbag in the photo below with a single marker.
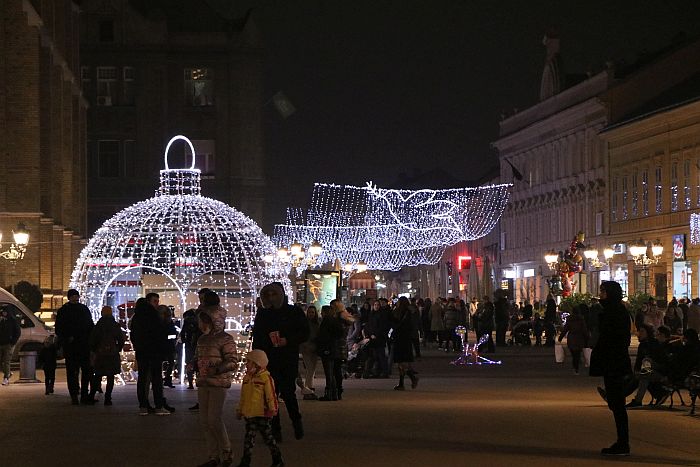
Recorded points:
(559, 352)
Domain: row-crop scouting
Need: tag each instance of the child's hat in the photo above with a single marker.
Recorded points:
(258, 357)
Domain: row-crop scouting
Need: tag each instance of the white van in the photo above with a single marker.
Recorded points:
(34, 330)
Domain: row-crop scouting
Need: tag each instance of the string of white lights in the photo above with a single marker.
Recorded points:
(389, 229)
(175, 244)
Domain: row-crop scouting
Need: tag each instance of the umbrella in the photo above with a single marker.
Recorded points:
(473, 288)
(487, 281)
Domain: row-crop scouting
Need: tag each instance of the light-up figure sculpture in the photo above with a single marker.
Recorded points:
(470, 353)
(175, 244)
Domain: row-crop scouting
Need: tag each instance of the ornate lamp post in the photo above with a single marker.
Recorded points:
(18, 246)
(640, 253)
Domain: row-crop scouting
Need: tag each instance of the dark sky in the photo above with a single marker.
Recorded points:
(383, 87)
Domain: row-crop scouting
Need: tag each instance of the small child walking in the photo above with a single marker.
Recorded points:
(258, 405)
(47, 360)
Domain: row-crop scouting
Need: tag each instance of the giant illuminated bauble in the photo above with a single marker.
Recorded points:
(175, 244)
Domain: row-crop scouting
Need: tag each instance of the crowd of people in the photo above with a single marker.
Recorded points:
(365, 342)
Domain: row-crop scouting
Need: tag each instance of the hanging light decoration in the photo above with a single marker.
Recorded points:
(175, 244)
(388, 229)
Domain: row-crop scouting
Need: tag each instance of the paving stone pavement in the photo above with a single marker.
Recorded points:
(528, 411)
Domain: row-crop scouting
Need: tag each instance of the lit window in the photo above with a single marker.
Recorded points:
(199, 87)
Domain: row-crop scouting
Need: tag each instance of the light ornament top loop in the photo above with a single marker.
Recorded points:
(167, 148)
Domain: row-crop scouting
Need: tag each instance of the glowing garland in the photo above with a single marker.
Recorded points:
(175, 244)
(695, 229)
(389, 229)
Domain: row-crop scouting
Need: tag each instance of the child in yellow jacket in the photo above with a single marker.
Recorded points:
(258, 405)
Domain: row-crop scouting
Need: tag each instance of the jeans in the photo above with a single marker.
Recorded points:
(49, 376)
(615, 392)
(284, 373)
(97, 381)
(211, 408)
(501, 329)
(310, 359)
(5, 356)
(644, 382)
(78, 366)
(150, 374)
(329, 369)
(575, 358)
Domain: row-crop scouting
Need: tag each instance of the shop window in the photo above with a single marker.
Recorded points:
(199, 87)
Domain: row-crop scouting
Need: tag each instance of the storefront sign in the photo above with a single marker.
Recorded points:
(619, 248)
(679, 247)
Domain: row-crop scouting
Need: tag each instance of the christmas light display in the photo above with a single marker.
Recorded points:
(695, 229)
(175, 244)
(470, 353)
(389, 229)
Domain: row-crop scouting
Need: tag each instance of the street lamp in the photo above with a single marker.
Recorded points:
(19, 245)
(640, 252)
(297, 256)
(551, 258)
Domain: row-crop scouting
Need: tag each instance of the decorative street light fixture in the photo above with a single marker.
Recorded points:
(608, 253)
(297, 256)
(552, 258)
(19, 246)
(640, 252)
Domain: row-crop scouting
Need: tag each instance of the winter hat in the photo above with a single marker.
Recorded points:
(258, 357)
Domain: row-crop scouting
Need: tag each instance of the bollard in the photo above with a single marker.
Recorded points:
(27, 367)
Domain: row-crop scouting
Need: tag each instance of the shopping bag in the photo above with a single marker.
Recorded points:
(587, 356)
(559, 352)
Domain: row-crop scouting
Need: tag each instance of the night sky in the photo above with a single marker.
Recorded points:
(385, 87)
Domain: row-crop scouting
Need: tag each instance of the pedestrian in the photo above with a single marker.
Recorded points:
(437, 323)
(694, 315)
(309, 355)
(48, 357)
(576, 334)
(425, 322)
(170, 345)
(550, 320)
(610, 359)
(148, 335)
(217, 360)
(501, 317)
(451, 321)
(257, 405)
(73, 326)
(403, 351)
(416, 328)
(189, 335)
(330, 333)
(106, 342)
(9, 335)
(278, 330)
(486, 326)
(377, 330)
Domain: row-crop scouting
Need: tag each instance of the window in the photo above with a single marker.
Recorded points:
(205, 150)
(613, 204)
(674, 186)
(106, 85)
(16, 313)
(624, 198)
(128, 86)
(635, 195)
(85, 81)
(686, 184)
(129, 158)
(106, 30)
(657, 190)
(645, 192)
(199, 87)
(109, 160)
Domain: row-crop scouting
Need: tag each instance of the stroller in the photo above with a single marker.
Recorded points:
(357, 357)
(520, 334)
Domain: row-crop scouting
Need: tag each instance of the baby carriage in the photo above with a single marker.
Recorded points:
(520, 334)
(357, 357)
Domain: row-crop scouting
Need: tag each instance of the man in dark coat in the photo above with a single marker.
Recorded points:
(9, 335)
(610, 359)
(501, 316)
(278, 330)
(73, 326)
(149, 337)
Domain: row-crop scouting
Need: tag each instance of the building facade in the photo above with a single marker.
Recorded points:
(153, 70)
(43, 134)
(555, 146)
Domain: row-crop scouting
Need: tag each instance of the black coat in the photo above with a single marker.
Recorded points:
(329, 341)
(148, 333)
(378, 325)
(73, 326)
(291, 323)
(401, 336)
(9, 330)
(106, 341)
(610, 356)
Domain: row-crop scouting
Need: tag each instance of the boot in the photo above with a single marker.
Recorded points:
(51, 386)
(329, 395)
(48, 389)
(340, 394)
(414, 378)
(400, 387)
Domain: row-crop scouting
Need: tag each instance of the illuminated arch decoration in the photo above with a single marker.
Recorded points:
(174, 244)
(389, 229)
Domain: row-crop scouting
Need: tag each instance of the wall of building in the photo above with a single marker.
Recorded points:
(42, 129)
